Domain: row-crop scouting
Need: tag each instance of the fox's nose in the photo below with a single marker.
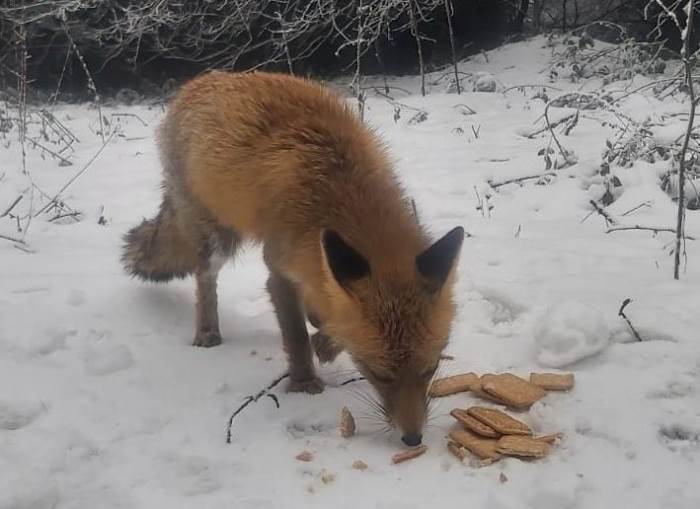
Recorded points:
(412, 440)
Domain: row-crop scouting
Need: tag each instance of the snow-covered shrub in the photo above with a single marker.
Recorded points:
(582, 57)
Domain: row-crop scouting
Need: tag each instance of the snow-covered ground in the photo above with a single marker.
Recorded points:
(104, 403)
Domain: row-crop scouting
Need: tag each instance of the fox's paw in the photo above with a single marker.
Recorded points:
(312, 385)
(326, 350)
(207, 339)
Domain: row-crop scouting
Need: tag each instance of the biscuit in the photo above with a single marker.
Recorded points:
(526, 447)
(512, 390)
(473, 424)
(484, 448)
(453, 384)
(347, 423)
(409, 454)
(359, 465)
(553, 381)
(499, 421)
(550, 439)
(304, 456)
(457, 450)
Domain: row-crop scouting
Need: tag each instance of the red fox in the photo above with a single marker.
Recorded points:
(284, 162)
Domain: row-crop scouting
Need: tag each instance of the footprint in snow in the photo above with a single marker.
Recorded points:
(17, 414)
(104, 360)
(51, 341)
(193, 475)
(299, 429)
(680, 386)
(75, 298)
(680, 437)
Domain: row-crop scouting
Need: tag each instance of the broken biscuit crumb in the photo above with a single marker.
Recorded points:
(457, 450)
(409, 454)
(347, 423)
(359, 465)
(305, 456)
(327, 477)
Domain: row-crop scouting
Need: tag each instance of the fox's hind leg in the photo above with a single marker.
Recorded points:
(207, 333)
(302, 376)
(212, 255)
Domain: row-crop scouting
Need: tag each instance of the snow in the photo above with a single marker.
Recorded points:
(104, 403)
(568, 332)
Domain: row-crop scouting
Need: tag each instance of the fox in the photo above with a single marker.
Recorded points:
(285, 163)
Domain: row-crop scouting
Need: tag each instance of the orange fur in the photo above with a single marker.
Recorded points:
(278, 159)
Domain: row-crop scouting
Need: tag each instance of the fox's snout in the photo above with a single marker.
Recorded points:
(408, 408)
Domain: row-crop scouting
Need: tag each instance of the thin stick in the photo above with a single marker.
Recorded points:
(22, 92)
(449, 12)
(554, 136)
(609, 220)
(63, 160)
(14, 204)
(134, 115)
(75, 177)
(419, 45)
(654, 229)
(685, 55)
(515, 87)
(645, 204)
(253, 399)
(12, 239)
(551, 126)
(74, 215)
(520, 179)
(621, 313)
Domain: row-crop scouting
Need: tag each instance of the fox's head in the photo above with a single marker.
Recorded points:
(394, 320)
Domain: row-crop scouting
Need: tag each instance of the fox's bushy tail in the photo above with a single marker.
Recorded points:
(156, 250)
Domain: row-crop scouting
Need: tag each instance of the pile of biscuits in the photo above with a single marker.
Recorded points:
(489, 433)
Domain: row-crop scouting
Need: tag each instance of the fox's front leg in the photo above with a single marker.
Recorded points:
(326, 350)
(302, 376)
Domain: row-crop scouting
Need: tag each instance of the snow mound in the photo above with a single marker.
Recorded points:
(107, 360)
(568, 332)
(17, 414)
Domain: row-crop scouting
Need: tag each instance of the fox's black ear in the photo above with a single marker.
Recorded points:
(435, 263)
(346, 264)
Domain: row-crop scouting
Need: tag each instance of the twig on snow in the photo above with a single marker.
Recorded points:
(12, 239)
(622, 314)
(133, 115)
(518, 180)
(609, 220)
(64, 161)
(655, 229)
(12, 206)
(641, 205)
(253, 399)
(551, 126)
(75, 177)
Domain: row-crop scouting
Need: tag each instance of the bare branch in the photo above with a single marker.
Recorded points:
(655, 229)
